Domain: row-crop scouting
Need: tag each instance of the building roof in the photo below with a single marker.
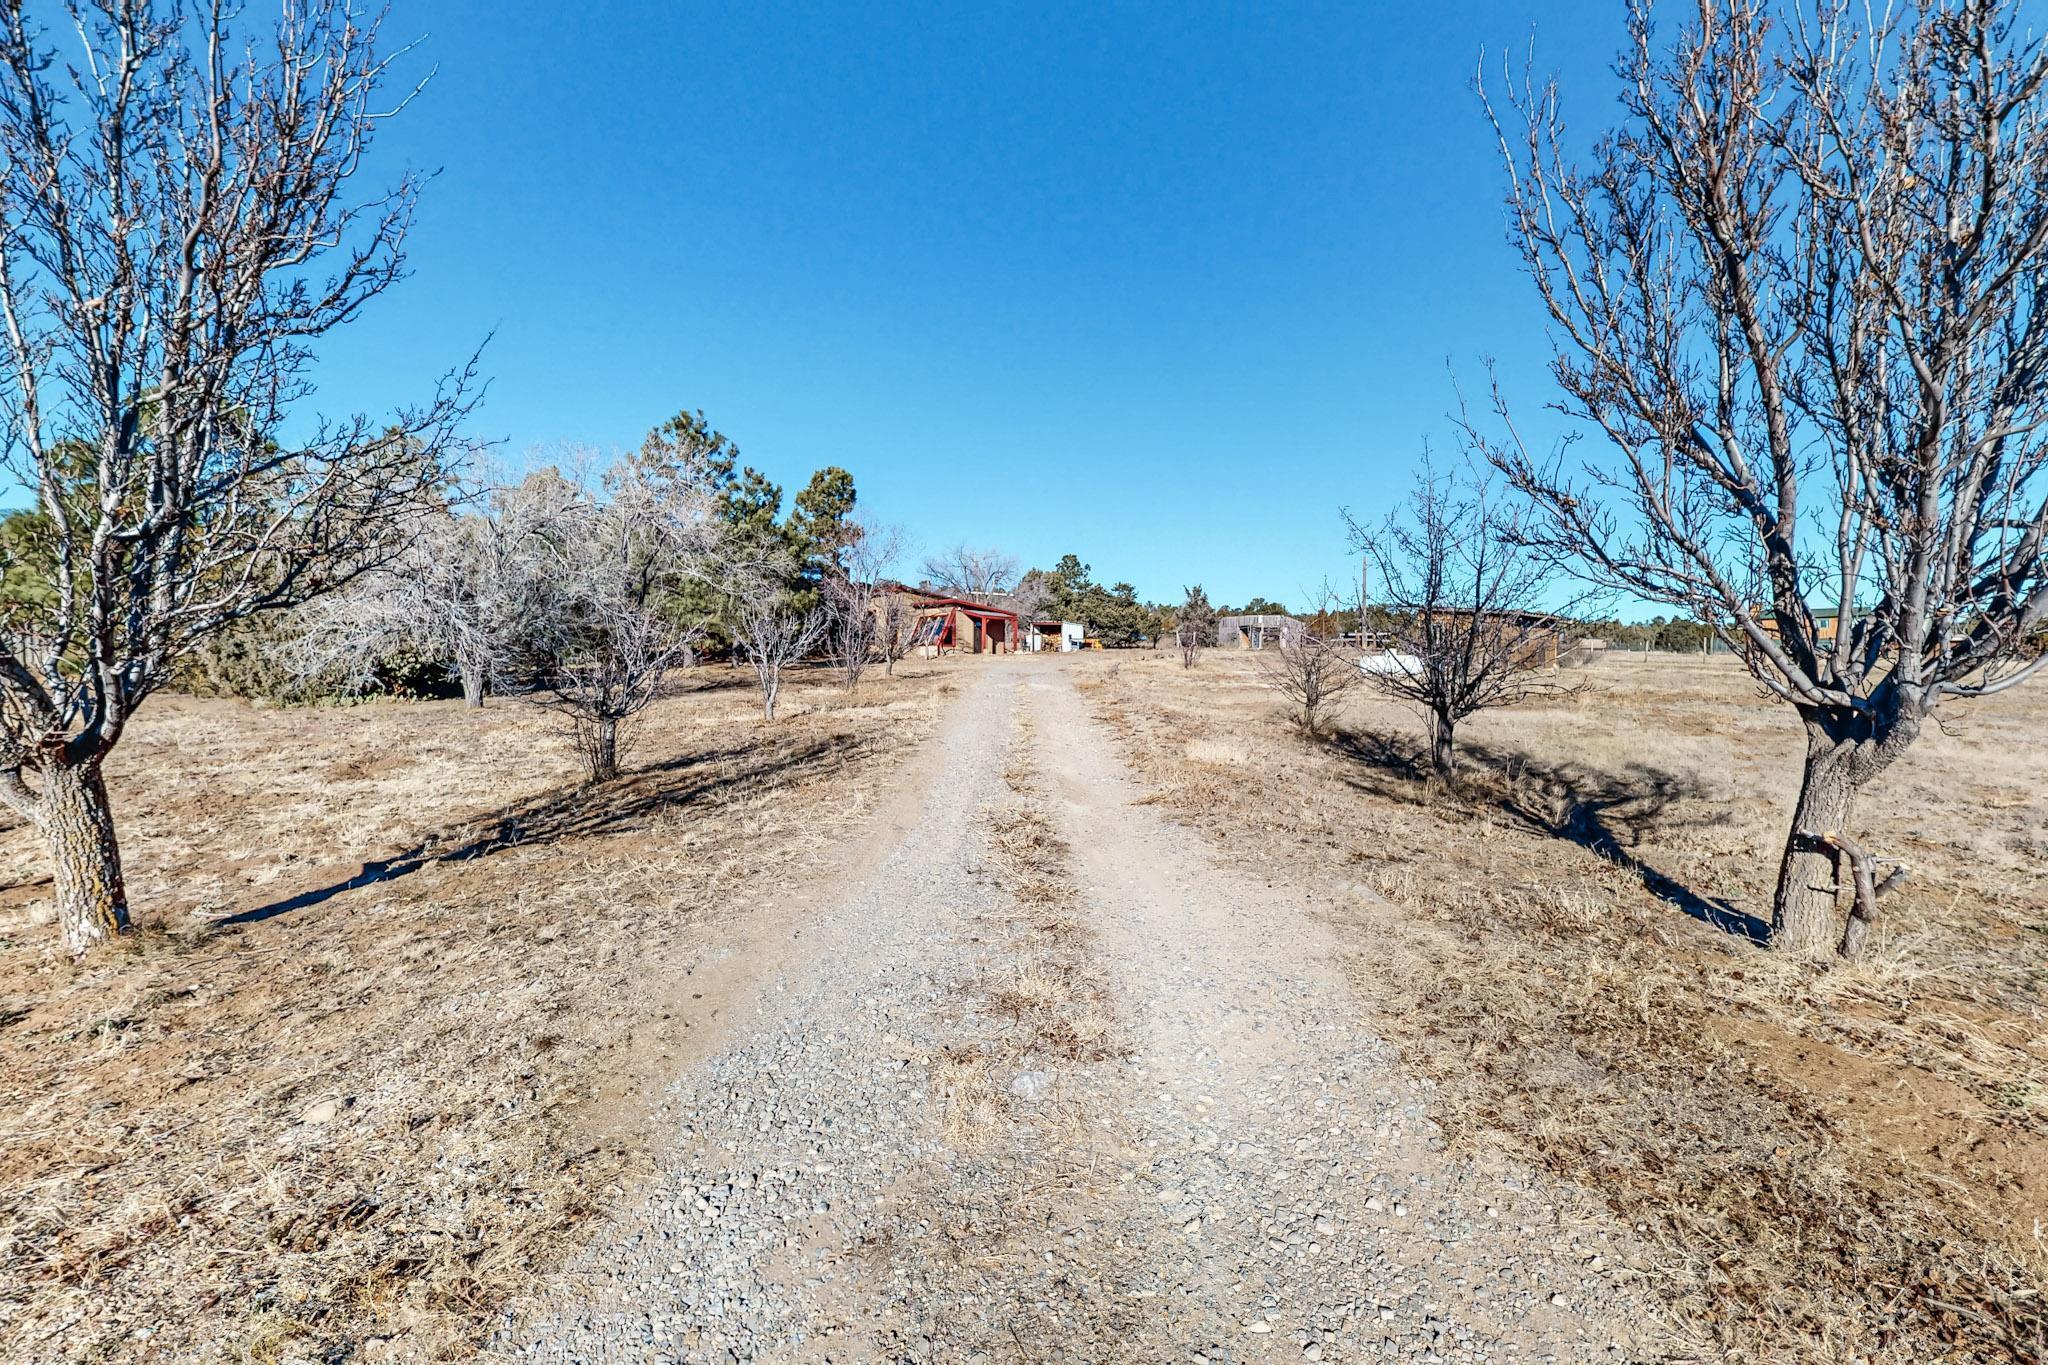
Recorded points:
(969, 605)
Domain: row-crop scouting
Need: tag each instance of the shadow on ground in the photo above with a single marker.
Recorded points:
(580, 812)
(1608, 813)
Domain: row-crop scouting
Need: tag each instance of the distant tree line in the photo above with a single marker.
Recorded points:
(1112, 613)
(1675, 635)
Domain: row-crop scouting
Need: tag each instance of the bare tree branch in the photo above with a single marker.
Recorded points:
(1313, 668)
(596, 563)
(966, 572)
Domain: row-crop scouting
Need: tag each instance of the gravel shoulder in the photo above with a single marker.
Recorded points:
(1048, 1082)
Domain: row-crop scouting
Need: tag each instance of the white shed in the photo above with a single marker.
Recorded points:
(1061, 637)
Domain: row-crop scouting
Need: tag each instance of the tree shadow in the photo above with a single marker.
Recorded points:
(578, 812)
(712, 676)
(734, 675)
(1605, 813)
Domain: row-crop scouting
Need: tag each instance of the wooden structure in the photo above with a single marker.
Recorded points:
(1257, 632)
(1829, 624)
(1533, 634)
(958, 625)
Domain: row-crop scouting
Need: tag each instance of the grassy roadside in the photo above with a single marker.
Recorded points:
(1023, 1151)
(1041, 994)
(1842, 1167)
(363, 1118)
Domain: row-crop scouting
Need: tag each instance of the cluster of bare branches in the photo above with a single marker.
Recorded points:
(857, 603)
(457, 595)
(1313, 668)
(179, 226)
(1797, 297)
(596, 565)
(1469, 604)
(558, 589)
(896, 623)
(1028, 597)
(1194, 626)
(774, 630)
(967, 572)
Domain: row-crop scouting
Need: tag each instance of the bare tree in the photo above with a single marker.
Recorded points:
(457, 594)
(598, 565)
(1028, 597)
(1465, 599)
(773, 631)
(852, 595)
(1194, 625)
(179, 225)
(967, 572)
(896, 626)
(1796, 295)
(1312, 669)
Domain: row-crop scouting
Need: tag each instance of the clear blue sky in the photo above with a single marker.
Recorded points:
(1161, 284)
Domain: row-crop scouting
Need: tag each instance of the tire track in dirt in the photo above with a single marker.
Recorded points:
(1317, 1214)
(891, 1158)
(1049, 1084)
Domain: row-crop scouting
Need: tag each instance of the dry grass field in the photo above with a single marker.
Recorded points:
(373, 1056)
(1851, 1165)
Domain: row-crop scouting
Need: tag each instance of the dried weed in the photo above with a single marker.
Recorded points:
(309, 1108)
(1847, 1164)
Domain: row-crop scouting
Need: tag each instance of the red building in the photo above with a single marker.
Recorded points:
(959, 625)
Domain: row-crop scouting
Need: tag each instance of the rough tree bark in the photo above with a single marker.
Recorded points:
(1845, 752)
(1803, 910)
(1443, 753)
(473, 675)
(77, 823)
(602, 759)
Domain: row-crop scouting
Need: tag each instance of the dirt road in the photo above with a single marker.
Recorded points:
(1052, 1081)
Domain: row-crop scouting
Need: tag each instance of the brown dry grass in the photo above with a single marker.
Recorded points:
(1042, 989)
(1845, 1165)
(367, 1114)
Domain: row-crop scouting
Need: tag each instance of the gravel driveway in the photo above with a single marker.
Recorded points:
(1248, 1177)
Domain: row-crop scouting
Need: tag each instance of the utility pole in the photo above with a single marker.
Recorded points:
(1364, 593)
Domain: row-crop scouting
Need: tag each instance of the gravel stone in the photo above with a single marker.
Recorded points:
(1218, 1193)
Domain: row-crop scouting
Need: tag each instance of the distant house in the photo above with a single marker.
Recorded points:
(1533, 635)
(1828, 622)
(956, 625)
(1257, 632)
(1054, 637)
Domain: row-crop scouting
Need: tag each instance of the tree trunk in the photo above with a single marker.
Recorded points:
(1843, 753)
(604, 751)
(771, 684)
(472, 675)
(1804, 920)
(1443, 756)
(78, 824)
